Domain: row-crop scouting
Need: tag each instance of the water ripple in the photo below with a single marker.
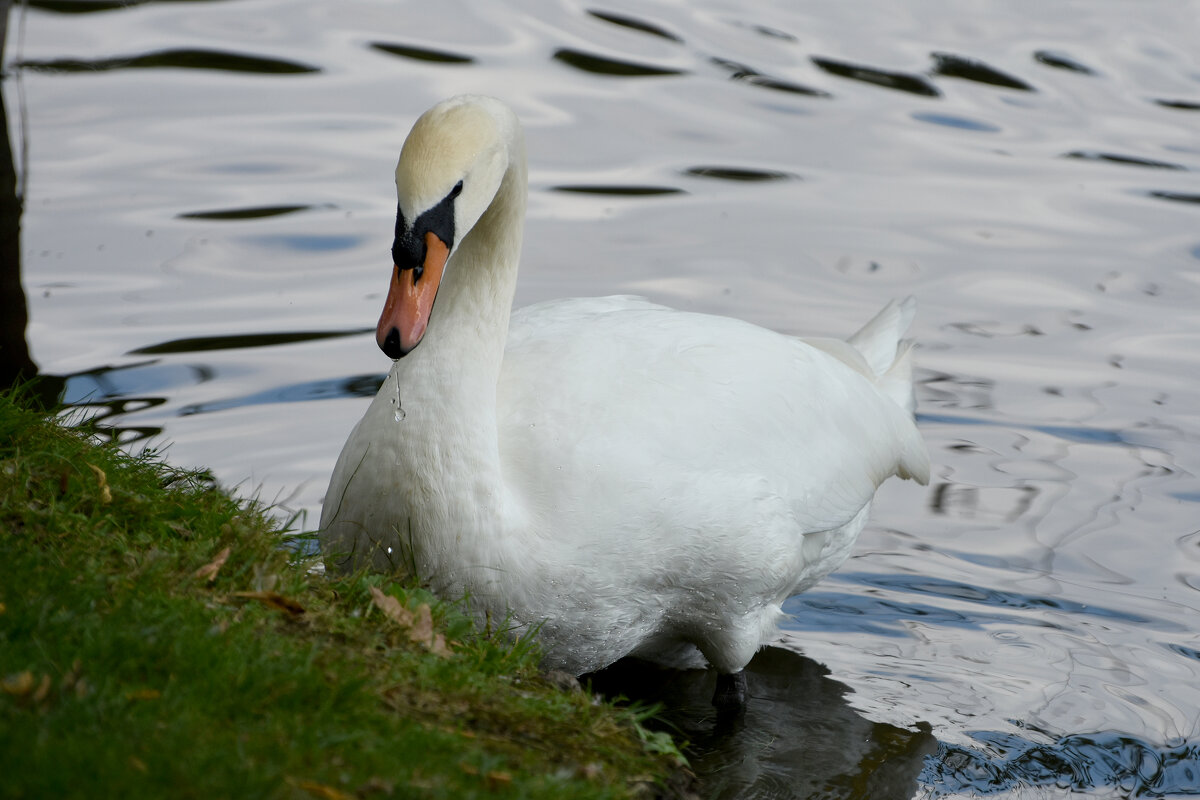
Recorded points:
(881, 616)
(421, 53)
(634, 24)
(1060, 61)
(1175, 197)
(952, 66)
(252, 212)
(739, 174)
(1119, 158)
(952, 121)
(602, 65)
(1181, 105)
(899, 81)
(182, 58)
(365, 386)
(1078, 763)
(617, 190)
(204, 344)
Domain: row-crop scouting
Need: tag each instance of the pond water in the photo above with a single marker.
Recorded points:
(204, 251)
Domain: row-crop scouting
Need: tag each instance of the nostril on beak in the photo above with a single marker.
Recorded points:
(391, 344)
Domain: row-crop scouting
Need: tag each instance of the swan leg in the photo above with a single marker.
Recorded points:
(730, 696)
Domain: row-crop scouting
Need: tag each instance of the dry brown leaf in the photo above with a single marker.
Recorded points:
(143, 694)
(376, 785)
(418, 623)
(422, 625)
(137, 764)
(3, 608)
(209, 571)
(274, 600)
(43, 690)
(438, 646)
(391, 607)
(321, 790)
(498, 779)
(102, 479)
(19, 683)
(422, 631)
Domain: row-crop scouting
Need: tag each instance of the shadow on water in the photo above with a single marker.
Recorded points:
(798, 738)
(16, 365)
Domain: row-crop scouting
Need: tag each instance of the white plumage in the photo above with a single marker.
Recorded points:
(627, 478)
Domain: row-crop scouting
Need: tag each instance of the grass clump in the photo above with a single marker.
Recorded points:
(158, 639)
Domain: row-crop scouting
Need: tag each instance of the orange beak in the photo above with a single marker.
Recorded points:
(410, 301)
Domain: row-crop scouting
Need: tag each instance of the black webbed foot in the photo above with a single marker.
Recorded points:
(730, 697)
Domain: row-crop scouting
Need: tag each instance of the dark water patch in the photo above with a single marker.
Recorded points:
(421, 53)
(736, 69)
(1087, 762)
(952, 121)
(240, 341)
(216, 60)
(899, 81)
(1187, 652)
(355, 386)
(766, 82)
(739, 174)
(765, 30)
(798, 738)
(1059, 61)
(634, 24)
(253, 212)
(1175, 197)
(1180, 105)
(747, 74)
(149, 377)
(949, 65)
(1117, 158)
(1187, 497)
(308, 242)
(617, 191)
(601, 65)
(90, 6)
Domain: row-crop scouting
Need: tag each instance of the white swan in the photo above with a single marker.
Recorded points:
(625, 478)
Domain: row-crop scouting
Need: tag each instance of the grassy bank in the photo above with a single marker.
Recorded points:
(156, 640)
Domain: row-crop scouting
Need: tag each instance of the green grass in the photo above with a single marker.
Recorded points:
(126, 673)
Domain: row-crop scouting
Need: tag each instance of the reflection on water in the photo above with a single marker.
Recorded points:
(421, 53)
(205, 244)
(600, 65)
(176, 59)
(798, 737)
(899, 81)
(1077, 763)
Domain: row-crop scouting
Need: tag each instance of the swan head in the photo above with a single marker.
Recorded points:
(451, 167)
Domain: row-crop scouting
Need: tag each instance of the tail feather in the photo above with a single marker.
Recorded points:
(882, 344)
(880, 339)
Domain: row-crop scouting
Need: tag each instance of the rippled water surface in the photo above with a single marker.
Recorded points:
(209, 208)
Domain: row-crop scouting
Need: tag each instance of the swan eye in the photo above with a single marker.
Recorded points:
(455, 192)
